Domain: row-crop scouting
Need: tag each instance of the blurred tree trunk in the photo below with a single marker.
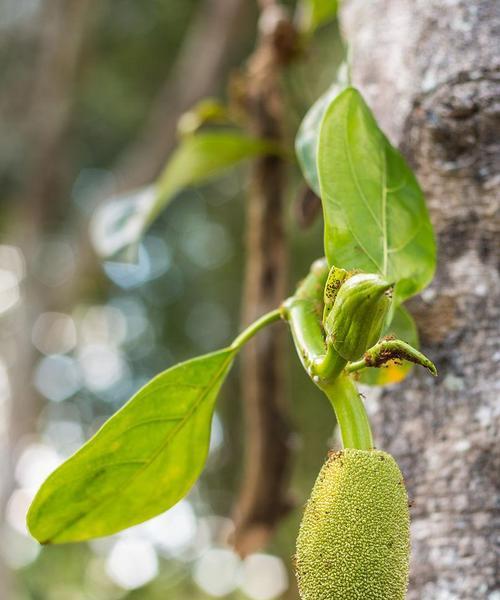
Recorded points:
(263, 500)
(431, 71)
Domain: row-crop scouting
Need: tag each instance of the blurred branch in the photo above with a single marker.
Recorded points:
(263, 499)
(199, 70)
(263, 4)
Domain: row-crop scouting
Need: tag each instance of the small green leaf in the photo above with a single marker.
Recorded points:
(208, 110)
(306, 141)
(317, 13)
(122, 221)
(375, 215)
(140, 463)
(404, 328)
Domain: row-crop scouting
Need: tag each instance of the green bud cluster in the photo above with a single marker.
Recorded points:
(358, 315)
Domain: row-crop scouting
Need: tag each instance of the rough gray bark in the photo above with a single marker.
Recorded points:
(430, 69)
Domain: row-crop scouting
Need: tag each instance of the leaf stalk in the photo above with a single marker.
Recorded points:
(256, 326)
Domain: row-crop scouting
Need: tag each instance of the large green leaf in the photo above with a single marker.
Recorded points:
(375, 215)
(404, 328)
(141, 462)
(306, 140)
(122, 221)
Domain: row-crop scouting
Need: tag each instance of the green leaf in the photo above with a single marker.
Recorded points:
(404, 328)
(306, 140)
(375, 215)
(140, 463)
(317, 13)
(122, 221)
(207, 110)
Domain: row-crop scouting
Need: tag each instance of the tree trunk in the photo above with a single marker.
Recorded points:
(430, 69)
(263, 500)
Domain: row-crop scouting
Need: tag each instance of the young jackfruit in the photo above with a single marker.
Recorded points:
(354, 539)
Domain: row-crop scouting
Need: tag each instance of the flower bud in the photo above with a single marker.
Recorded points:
(357, 318)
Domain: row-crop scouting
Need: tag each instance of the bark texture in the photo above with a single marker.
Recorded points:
(430, 69)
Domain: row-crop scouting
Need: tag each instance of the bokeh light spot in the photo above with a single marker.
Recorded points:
(102, 366)
(263, 577)
(54, 333)
(132, 564)
(36, 462)
(16, 509)
(57, 377)
(216, 572)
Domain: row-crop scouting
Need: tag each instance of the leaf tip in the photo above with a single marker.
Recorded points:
(44, 542)
(431, 367)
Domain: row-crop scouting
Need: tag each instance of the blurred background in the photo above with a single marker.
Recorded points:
(90, 94)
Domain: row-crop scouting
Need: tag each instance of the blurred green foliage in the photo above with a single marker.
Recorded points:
(132, 48)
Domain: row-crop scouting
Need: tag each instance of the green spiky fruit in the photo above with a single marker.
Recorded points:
(354, 539)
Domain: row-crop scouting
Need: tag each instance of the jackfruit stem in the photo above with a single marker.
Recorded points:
(322, 362)
(355, 430)
(329, 366)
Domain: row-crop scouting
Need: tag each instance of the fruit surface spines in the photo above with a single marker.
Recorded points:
(354, 538)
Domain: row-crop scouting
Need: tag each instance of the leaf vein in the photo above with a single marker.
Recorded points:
(171, 419)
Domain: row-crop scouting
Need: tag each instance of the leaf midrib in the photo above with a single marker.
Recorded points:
(358, 186)
(381, 226)
(353, 171)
